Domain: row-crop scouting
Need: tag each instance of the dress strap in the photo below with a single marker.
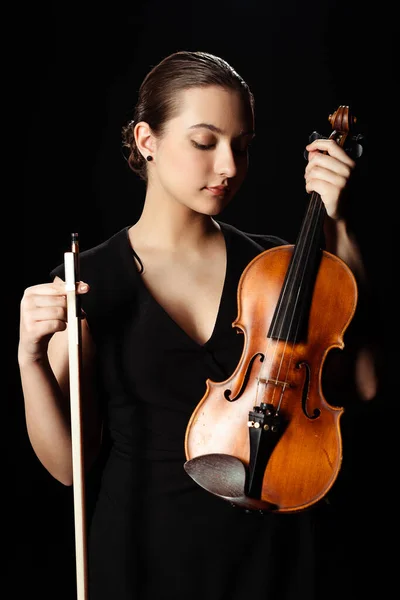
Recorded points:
(139, 261)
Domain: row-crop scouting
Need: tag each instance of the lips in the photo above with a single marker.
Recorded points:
(218, 189)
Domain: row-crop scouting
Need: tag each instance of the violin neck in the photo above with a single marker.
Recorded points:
(310, 235)
(289, 321)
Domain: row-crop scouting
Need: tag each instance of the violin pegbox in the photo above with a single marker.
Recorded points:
(342, 122)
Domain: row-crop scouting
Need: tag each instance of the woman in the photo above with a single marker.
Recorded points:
(159, 299)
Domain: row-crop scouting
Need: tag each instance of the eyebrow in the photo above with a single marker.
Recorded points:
(215, 129)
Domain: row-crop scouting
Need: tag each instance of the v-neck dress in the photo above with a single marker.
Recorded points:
(154, 534)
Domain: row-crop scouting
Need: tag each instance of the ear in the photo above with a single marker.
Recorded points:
(144, 138)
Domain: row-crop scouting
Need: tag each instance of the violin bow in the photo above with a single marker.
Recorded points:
(71, 265)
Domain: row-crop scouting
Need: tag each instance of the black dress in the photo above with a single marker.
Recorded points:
(154, 534)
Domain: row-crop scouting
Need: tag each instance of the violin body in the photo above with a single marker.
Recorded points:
(266, 438)
(306, 459)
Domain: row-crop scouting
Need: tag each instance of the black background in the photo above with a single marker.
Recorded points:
(77, 71)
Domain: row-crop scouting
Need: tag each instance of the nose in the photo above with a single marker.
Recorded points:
(225, 162)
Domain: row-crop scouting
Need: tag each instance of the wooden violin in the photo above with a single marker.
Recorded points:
(266, 438)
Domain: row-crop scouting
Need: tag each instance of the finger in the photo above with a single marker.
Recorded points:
(328, 163)
(46, 289)
(56, 288)
(82, 287)
(321, 175)
(35, 332)
(39, 301)
(332, 148)
(329, 194)
(30, 301)
(48, 313)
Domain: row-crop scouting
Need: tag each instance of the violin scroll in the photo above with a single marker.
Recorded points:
(342, 122)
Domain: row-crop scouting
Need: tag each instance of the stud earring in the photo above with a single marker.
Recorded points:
(149, 158)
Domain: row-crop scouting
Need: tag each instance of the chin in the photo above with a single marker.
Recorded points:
(218, 206)
(210, 206)
(214, 210)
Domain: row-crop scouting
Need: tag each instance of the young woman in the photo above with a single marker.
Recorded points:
(159, 299)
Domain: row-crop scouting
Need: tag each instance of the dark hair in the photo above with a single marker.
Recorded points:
(157, 100)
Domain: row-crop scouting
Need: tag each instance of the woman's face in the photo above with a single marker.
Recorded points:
(201, 159)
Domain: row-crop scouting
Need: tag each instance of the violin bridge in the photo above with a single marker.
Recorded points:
(283, 384)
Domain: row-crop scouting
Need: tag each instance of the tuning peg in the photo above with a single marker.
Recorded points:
(314, 136)
(354, 149)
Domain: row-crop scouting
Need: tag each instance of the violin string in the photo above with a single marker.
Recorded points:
(266, 366)
(301, 265)
(316, 206)
(312, 221)
(265, 369)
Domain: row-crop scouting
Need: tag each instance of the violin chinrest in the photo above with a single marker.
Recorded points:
(225, 476)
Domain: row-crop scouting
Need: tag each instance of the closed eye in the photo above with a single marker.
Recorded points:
(202, 146)
(239, 151)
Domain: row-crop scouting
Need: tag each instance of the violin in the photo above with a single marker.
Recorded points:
(266, 439)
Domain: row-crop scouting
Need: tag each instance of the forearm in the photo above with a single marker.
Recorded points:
(47, 419)
(343, 244)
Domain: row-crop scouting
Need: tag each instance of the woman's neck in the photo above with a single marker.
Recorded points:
(172, 226)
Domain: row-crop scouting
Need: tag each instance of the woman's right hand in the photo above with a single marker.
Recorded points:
(43, 312)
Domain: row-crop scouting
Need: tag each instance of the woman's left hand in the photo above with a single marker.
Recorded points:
(328, 171)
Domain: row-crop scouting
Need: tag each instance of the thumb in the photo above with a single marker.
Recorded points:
(82, 287)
